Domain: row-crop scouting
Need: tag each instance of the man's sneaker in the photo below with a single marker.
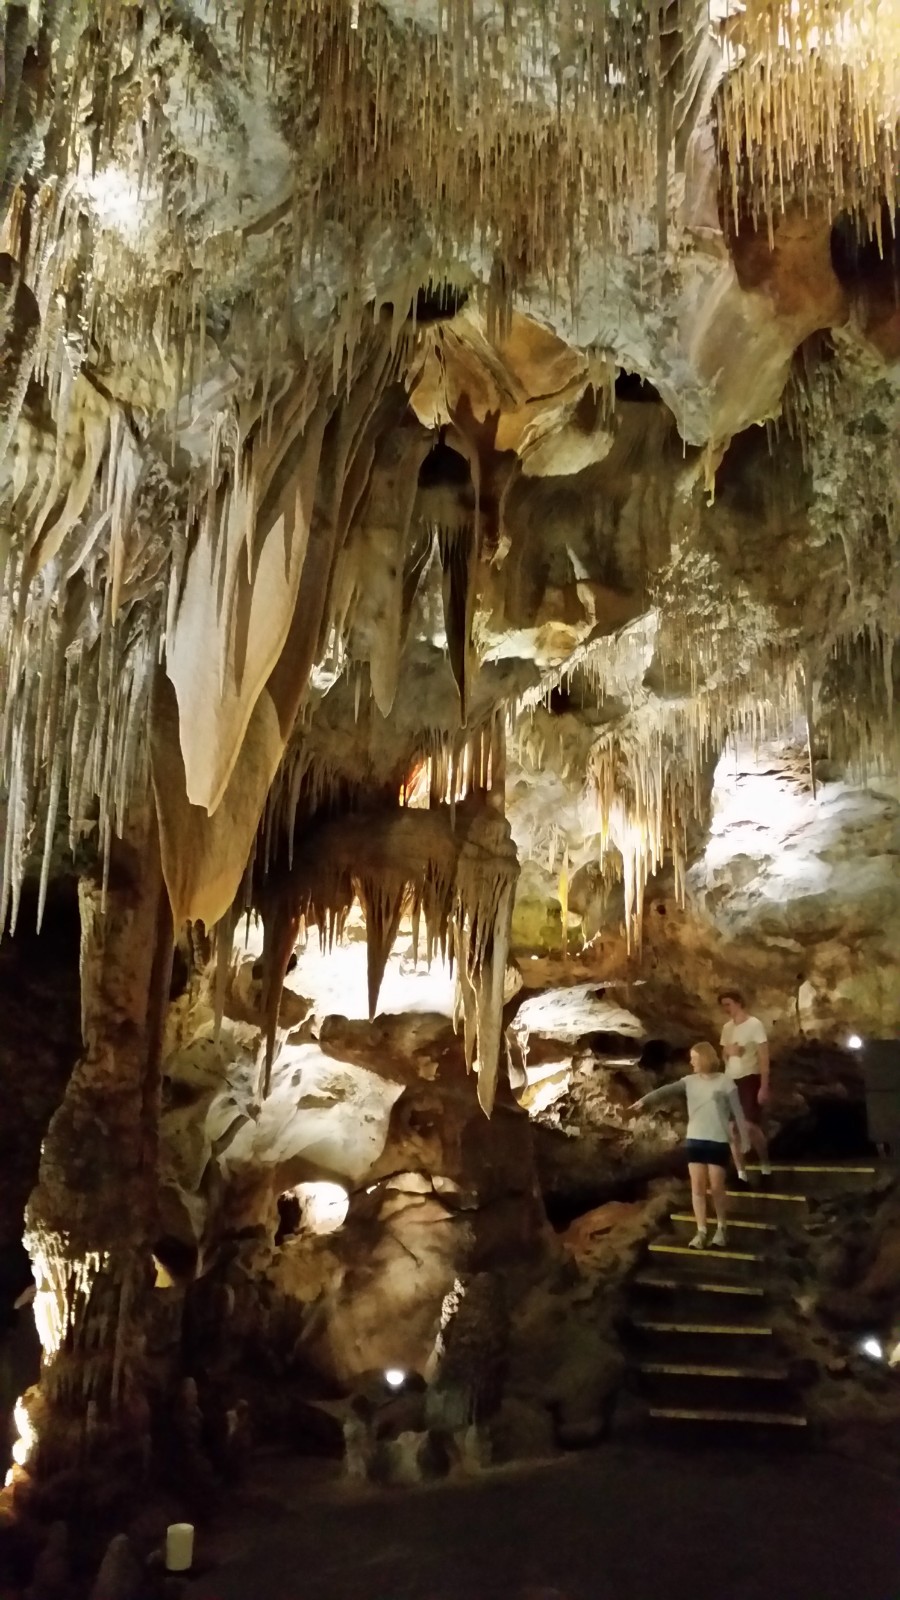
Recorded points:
(699, 1240)
(719, 1238)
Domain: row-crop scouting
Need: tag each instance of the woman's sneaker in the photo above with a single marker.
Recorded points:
(720, 1238)
(699, 1240)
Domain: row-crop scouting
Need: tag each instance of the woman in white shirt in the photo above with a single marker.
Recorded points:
(713, 1108)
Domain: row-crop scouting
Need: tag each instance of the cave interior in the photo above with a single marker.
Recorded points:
(449, 586)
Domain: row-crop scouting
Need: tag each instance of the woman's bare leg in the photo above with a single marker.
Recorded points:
(719, 1190)
(698, 1171)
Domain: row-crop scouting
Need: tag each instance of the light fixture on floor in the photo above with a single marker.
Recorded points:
(854, 1042)
(394, 1378)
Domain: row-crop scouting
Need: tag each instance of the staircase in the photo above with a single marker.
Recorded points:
(705, 1356)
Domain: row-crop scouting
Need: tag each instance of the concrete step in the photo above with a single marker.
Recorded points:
(766, 1205)
(696, 1426)
(743, 1232)
(816, 1178)
(715, 1385)
(680, 1261)
(728, 1344)
(659, 1293)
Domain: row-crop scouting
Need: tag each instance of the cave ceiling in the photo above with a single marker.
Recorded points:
(414, 400)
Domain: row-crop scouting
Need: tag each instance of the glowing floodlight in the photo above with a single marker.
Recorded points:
(871, 1347)
(854, 1042)
(323, 1206)
(394, 1378)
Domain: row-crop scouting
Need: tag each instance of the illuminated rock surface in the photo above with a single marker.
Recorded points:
(448, 604)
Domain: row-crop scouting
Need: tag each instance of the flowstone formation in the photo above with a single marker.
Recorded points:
(435, 439)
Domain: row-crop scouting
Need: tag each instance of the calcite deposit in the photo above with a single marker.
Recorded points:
(448, 604)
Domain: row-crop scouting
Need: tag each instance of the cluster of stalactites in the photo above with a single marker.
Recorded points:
(810, 106)
(652, 780)
(642, 790)
(534, 133)
(72, 732)
(528, 139)
(650, 773)
(95, 551)
(81, 609)
(858, 722)
(453, 870)
(845, 410)
(453, 767)
(445, 769)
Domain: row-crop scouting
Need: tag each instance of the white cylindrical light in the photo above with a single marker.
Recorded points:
(179, 1547)
(854, 1042)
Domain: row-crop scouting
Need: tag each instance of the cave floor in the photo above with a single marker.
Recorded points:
(622, 1523)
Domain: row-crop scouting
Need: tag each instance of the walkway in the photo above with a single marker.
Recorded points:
(621, 1523)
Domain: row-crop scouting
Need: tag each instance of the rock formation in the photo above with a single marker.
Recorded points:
(448, 498)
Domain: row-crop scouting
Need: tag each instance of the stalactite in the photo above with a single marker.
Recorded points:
(383, 903)
(457, 554)
(458, 875)
(808, 704)
(564, 904)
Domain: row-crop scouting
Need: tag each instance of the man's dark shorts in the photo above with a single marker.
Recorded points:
(748, 1093)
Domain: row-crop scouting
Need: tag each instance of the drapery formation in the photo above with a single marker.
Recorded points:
(251, 619)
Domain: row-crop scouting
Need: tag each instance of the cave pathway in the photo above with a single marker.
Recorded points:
(625, 1522)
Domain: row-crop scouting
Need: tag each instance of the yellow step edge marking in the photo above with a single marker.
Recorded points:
(684, 1369)
(733, 1222)
(781, 1166)
(765, 1194)
(717, 1254)
(777, 1419)
(696, 1287)
(702, 1327)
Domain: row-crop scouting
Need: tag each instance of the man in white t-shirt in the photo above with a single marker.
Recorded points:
(745, 1047)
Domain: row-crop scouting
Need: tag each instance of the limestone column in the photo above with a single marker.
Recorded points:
(90, 1221)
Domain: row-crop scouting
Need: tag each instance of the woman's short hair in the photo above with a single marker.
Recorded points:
(731, 994)
(707, 1055)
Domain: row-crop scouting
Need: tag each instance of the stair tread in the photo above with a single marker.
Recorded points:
(816, 1166)
(749, 1193)
(700, 1286)
(735, 1329)
(694, 1369)
(733, 1222)
(685, 1250)
(776, 1419)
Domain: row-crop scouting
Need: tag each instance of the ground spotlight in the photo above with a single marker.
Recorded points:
(854, 1042)
(394, 1378)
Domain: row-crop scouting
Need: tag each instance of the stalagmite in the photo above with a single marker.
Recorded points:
(90, 1220)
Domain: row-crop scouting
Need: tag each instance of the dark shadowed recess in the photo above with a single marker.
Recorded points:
(864, 255)
(40, 1012)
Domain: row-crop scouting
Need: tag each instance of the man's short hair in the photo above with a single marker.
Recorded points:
(731, 994)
